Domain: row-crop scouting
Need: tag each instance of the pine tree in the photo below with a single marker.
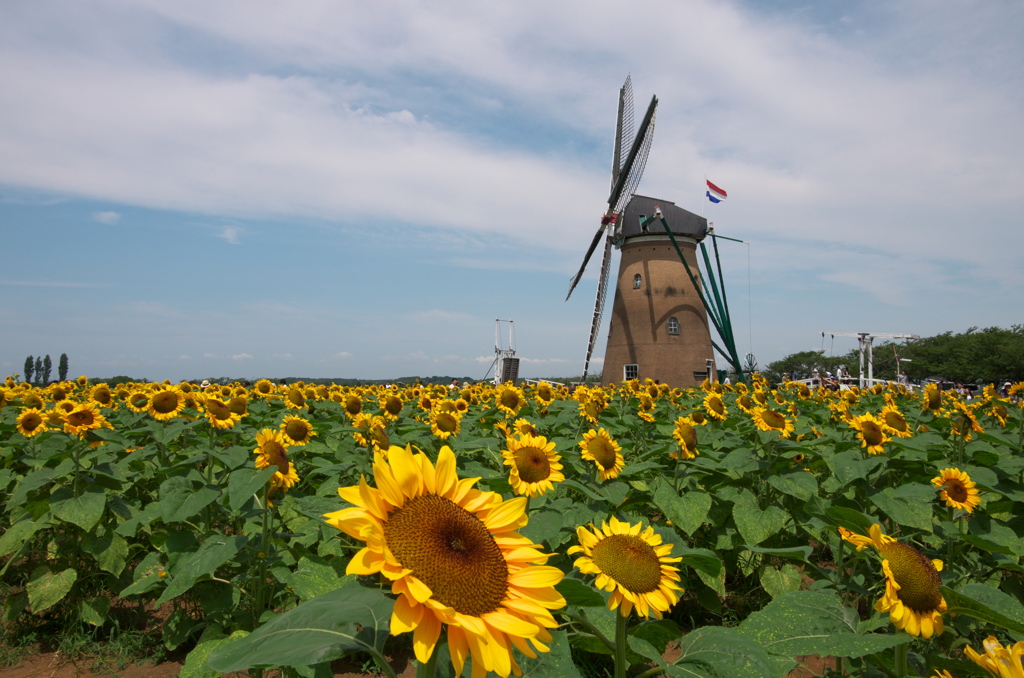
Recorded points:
(62, 367)
(47, 369)
(30, 367)
(39, 370)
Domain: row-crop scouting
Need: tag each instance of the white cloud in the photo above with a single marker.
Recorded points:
(230, 233)
(106, 217)
(241, 356)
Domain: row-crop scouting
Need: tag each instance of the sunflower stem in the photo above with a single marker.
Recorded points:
(428, 669)
(621, 664)
(585, 623)
(901, 659)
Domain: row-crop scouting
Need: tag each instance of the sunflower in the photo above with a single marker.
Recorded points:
(166, 403)
(912, 597)
(769, 420)
(544, 394)
(31, 422)
(745, 403)
(391, 406)
(101, 395)
(870, 432)
(715, 407)
(454, 557)
(294, 398)
(296, 430)
(1005, 662)
(931, 398)
(965, 421)
(510, 399)
(590, 410)
(535, 467)
(524, 427)
(272, 450)
(444, 424)
(84, 417)
(600, 448)
(239, 404)
(263, 388)
(894, 423)
(686, 435)
(632, 565)
(32, 398)
(219, 414)
(957, 489)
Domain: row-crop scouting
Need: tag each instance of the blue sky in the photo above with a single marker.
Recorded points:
(343, 189)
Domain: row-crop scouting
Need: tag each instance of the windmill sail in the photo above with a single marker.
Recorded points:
(625, 182)
(602, 294)
(623, 130)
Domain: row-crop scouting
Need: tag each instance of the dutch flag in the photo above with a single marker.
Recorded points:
(715, 194)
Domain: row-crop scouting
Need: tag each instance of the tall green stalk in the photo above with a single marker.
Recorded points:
(621, 663)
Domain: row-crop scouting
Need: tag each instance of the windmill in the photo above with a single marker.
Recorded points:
(659, 326)
(628, 161)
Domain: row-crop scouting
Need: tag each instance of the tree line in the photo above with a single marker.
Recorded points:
(38, 369)
(978, 356)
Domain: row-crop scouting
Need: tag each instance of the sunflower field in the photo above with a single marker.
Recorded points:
(721, 531)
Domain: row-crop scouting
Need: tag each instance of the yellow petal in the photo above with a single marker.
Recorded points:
(406, 471)
(405, 616)
(445, 471)
(417, 589)
(536, 577)
(365, 562)
(425, 637)
(508, 623)
(458, 648)
(505, 515)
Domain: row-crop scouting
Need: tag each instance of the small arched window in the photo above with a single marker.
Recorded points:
(637, 279)
(673, 325)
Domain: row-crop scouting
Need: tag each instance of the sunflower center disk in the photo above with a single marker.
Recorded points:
(532, 464)
(872, 433)
(276, 455)
(774, 419)
(165, 402)
(896, 421)
(296, 430)
(446, 423)
(916, 575)
(956, 490)
(630, 561)
(603, 452)
(451, 551)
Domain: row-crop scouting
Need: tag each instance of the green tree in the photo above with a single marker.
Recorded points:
(802, 365)
(62, 367)
(39, 370)
(47, 369)
(30, 368)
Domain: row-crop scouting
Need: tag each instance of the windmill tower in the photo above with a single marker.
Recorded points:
(659, 326)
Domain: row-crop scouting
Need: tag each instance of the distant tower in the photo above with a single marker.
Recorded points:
(659, 327)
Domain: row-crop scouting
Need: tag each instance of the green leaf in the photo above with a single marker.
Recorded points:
(313, 576)
(799, 484)
(713, 652)
(32, 481)
(814, 622)
(95, 611)
(576, 592)
(180, 500)
(544, 525)
(754, 524)
(213, 553)
(245, 482)
(348, 619)
(687, 512)
(616, 491)
(110, 551)
(851, 519)
(779, 581)
(47, 589)
(18, 534)
(852, 465)
(84, 510)
(580, 487)
(557, 663)
(799, 554)
(701, 560)
(195, 662)
(966, 603)
(909, 505)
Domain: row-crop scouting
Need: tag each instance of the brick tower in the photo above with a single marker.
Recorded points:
(659, 328)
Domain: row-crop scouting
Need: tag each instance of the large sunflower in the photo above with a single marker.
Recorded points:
(219, 414)
(166, 403)
(31, 422)
(894, 422)
(870, 432)
(84, 417)
(912, 597)
(957, 489)
(632, 565)
(509, 399)
(444, 424)
(391, 405)
(535, 467)
(769, 420)
(296, 430)
(715, 407)
(1005, 662)
(453, 556)
(600, 448)
(686, 435)
(272, 450)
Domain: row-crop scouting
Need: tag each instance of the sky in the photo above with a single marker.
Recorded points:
(336, 189)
